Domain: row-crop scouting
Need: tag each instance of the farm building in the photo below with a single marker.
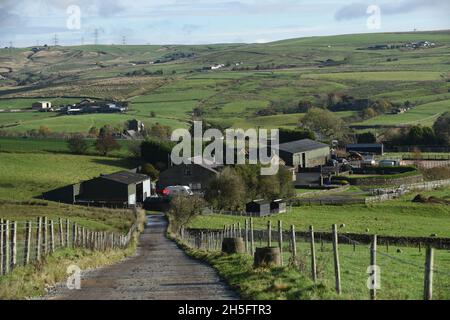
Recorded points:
(304, 153)
(195, 176)
(278, 206)
(117, 189)
(372, 148)
(41, 105)
(258, 208)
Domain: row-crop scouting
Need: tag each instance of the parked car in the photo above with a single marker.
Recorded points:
(368, 161)
(389, 163)
(177, 190)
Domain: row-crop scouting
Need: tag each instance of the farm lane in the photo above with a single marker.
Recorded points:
(160, 271)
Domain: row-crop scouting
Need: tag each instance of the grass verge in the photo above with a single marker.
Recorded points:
(277, 283)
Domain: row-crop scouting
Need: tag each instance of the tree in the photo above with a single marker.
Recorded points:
(93, 132)
(289, 135)
(44, 131)
(160, 131)
(183, 209)
(157, 152)
(106, 142)
(151, 171)
(442, 128)
(324, 123)
(366, 137)
(304, 106)
(77, 144)
(227, 191)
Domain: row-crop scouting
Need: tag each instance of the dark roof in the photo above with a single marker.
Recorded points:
(126, 177)
(260, 201)
(365, 145)
(302, 146)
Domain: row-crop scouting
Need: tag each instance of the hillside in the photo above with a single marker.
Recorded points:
(172, 80)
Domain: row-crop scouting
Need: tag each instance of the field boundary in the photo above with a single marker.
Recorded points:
(26, 242)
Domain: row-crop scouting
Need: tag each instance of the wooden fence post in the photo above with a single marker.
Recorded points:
(280, 239)
(39, 239)
(313, 255)
(269, 233)
(52, 236)
(67, 232)
(337, 268)
(294, 243)
(13, 245)
(252, 247)
(45, 235)
(246, 236)
(61, 233)
(7, 249)
(1, 247)
(74, 235)
(27, 247)
(429, 264)
(373, 263)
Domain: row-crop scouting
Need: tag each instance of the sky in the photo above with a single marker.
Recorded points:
(74, 22)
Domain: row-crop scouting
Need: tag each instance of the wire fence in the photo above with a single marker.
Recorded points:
(25, 242)
(376, 270)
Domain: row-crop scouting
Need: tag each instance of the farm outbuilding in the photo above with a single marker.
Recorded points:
(258, 208)
(304, 153)
(117, 189)
(278, 206)
(41, 105)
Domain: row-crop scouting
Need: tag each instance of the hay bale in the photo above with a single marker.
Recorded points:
(267, 257)
(233, 245)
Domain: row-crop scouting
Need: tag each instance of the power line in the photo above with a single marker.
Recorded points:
(55, 40)
(96, 36)
(124, 40)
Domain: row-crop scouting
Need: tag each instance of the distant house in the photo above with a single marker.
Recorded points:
(41, 105)
(371, 148)
(136, 125)
(117, 189)
(195, 176)
(304, 153)
(258, 208)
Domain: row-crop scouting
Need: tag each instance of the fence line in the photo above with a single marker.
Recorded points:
(25, 242)
(287, 242)
(384, 194)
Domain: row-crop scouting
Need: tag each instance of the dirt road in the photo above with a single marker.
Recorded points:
(160, 270)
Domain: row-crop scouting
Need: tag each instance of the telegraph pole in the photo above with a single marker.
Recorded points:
(55, 40)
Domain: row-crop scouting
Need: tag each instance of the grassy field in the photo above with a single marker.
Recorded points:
(24, 175)
(280, 73)
(31, 145)
(399, 217)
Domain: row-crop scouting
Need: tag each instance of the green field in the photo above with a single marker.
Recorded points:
(280, 73)
(25, 175)
(399, 217)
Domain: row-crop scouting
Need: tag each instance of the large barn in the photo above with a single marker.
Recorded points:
(304, 153)
(117, 189)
